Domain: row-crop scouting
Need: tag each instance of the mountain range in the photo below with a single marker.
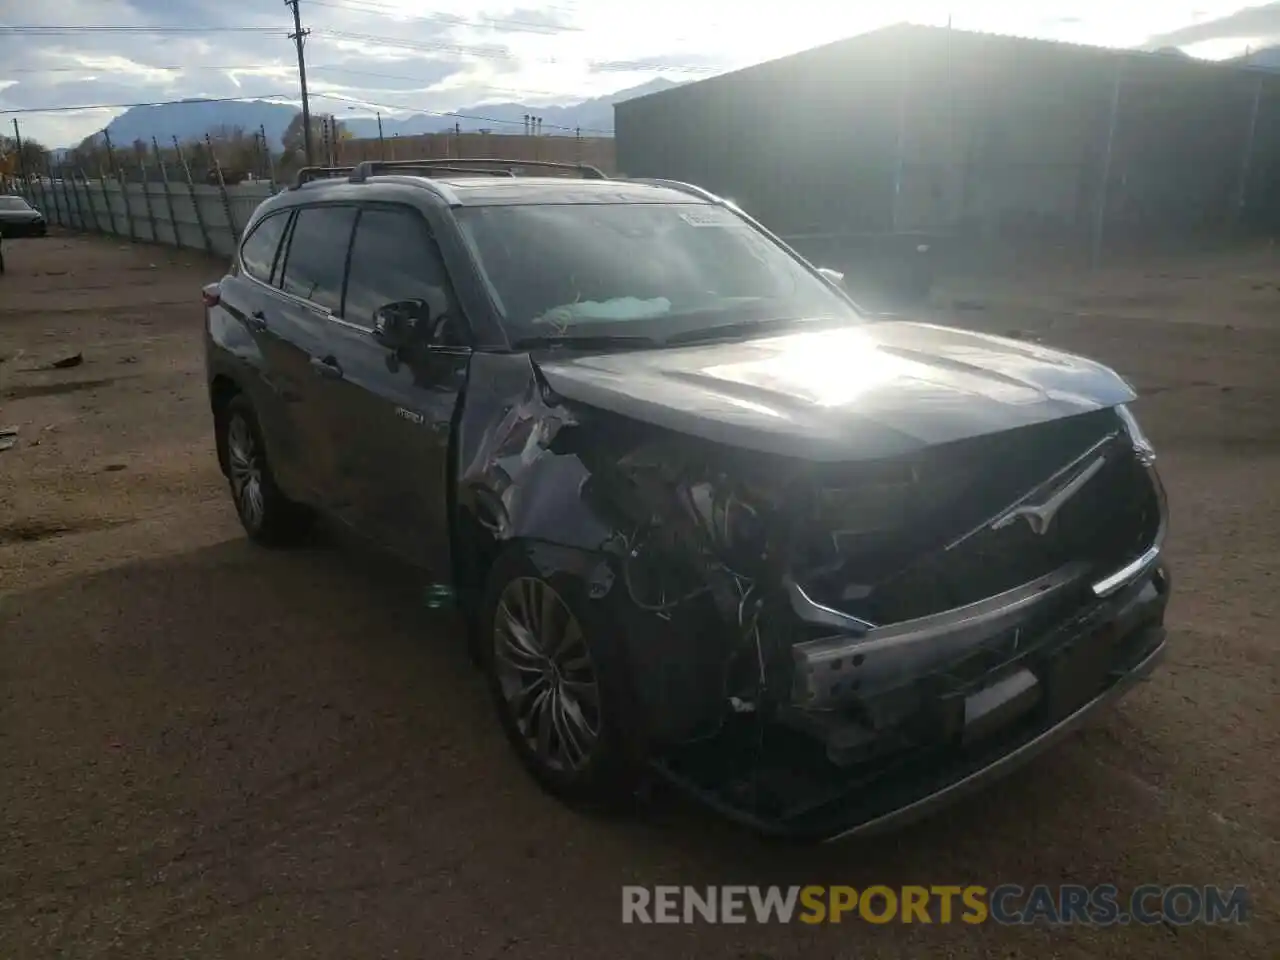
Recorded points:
(192, 119)
(1267, 57)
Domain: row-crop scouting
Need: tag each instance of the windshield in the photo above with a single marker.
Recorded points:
(13, 203)
(637, 269)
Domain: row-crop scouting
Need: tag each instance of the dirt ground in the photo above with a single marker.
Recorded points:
(212, 750)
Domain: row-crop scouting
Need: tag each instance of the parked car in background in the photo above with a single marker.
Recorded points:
(708, 519)
(19, 219)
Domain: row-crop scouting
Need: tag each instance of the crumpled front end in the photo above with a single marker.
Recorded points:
(822, 649)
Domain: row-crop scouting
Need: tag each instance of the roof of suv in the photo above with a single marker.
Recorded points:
(495, 191)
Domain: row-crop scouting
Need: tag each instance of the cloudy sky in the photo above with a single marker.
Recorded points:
(445, 54)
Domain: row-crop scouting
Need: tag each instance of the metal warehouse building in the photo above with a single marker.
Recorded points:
(925, 130)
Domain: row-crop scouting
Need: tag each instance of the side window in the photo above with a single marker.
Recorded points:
(259, 251)
(318, 254)
(394, 258)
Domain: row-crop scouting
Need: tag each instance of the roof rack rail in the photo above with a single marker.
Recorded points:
(375, 167)
(307, 174)
(482, 165)
(682, 186)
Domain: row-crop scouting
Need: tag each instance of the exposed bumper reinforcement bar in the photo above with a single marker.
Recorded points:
(829, 669)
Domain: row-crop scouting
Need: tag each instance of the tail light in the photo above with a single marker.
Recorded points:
(211, 295)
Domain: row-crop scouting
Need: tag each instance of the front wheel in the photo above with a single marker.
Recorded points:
(266, 514)
(557, 683)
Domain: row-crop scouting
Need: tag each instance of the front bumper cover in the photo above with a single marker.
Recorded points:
(1063, 679)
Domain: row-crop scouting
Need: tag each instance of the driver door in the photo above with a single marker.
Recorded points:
(393, 409)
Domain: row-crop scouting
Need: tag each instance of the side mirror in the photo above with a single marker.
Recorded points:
(834, 277)
(394, 324)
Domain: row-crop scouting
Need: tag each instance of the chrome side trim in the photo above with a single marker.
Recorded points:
(1126, 574)
(831, 670)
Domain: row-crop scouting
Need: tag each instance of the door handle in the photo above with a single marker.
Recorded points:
(257, 320)
(327, 367)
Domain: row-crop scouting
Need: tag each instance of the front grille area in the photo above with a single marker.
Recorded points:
(904, 573)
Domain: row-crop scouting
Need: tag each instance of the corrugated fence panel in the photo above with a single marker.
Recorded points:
(151, 212)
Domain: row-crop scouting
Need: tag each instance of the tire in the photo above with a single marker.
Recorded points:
(267, 515)
(597, 764)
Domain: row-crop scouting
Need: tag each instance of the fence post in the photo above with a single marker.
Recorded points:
(271, 162)
(195, 200)
(146, 195)
(222, 191)
(33, 182)
(54, 183)
(57, 207)
(1246, 158)
(83, 210)
(84, 182)
(106, 198)
(168, 194)
(122, 184)
(72, 217)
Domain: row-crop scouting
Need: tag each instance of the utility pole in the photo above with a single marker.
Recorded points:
(298, 36)
(17, 138)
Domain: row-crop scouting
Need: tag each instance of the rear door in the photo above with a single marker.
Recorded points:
(298, 333)
(395, 409)
(248, 297)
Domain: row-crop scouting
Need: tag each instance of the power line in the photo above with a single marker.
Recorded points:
(449, 19)
(512, 91)
(149, 103)
(492, 53)
(446, 114)
(34, 31)
(185, 68)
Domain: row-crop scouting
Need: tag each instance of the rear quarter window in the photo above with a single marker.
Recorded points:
(259, 251)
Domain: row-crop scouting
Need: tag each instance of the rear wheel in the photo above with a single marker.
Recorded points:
(266, 514)
(557, 683)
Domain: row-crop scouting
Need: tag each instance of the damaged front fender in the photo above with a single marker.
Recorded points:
(603, 498)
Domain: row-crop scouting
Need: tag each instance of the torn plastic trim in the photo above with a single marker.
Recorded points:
(1147, 559)
(1127, 574)
(829, 669)
(810, 611)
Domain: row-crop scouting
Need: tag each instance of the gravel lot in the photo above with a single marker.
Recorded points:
(212, 750)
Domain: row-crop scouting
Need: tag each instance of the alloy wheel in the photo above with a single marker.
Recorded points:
(244, 461)
(544, 669)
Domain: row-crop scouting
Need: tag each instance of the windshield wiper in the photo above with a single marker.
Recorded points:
(742, 328)
(585, 341)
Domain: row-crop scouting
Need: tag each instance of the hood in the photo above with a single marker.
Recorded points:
(866, 392)
(20, 215)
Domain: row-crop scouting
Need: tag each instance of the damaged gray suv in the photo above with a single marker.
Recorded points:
(708, 519)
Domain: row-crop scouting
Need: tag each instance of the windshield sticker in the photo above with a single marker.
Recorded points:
(620, 308)
(710, 217)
